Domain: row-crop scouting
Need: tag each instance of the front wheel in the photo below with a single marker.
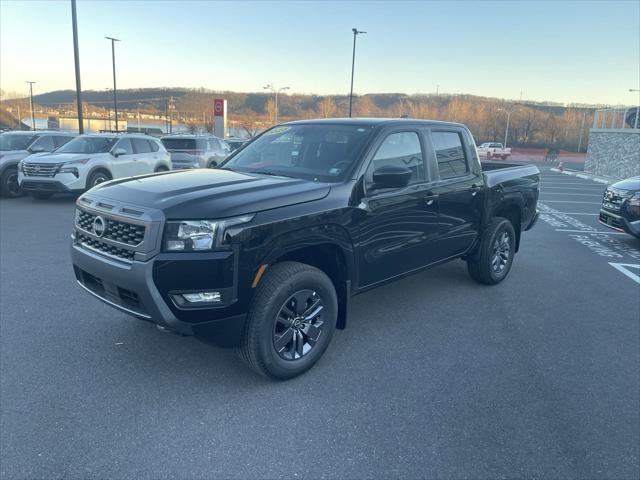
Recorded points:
(291, 321)
(9, 185)
(161, 169)
(96, 178)
(491, 263)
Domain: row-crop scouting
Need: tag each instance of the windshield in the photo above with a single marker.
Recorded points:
(88, 145)
(14, 141)
(311, 152)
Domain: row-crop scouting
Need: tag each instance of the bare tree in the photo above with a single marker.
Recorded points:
(327, 107)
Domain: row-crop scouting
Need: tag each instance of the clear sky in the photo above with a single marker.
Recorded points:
(570, 51)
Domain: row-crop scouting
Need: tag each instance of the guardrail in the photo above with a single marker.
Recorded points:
(617, 118)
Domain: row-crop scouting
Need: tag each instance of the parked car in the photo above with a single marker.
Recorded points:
(264, 253)
(14, 146)
(621, 206)
(235, 142)
(195, 151)
(89, 160)
(494, 150)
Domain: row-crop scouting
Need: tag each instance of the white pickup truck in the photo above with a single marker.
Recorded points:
(494, 150)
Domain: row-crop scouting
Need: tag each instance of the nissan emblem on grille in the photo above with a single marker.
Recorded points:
(99, 226)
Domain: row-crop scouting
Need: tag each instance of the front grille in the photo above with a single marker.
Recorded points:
(41, 169)
(611, 220)
(46, 186)
(127, 233)
(104, 247)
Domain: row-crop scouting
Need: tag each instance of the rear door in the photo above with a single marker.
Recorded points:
(397, 227)
(143, 156)
(459, 188)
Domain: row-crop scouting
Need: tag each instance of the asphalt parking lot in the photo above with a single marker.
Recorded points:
(435, 375)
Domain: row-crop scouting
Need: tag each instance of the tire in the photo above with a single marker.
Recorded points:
(212, 164)
(41, 195)
(492, 261)
(9, 186)
(96, 178)
(278, 342)
(161, 169)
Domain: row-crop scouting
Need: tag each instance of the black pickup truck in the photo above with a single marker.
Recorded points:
(264, 252)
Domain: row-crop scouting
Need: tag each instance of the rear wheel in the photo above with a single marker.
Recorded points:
(161, 169)
(96, 178)
(291, 321)
(212, 163)
(9, 186)
(491, 263)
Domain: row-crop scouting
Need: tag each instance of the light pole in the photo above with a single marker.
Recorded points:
(634, 90)
(356, 32)
(276, 92)
(33, 118)
(506, 133)
(113, 61)
(76, 58)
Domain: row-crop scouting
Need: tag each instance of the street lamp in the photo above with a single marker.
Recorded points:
(270, 87)
(356, 32)
(76, 59)
(33, 119)
(508, 112)
(113, 61)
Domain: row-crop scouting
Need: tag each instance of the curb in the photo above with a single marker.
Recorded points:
(586, 176)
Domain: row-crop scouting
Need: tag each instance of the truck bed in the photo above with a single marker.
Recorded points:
(500, 172)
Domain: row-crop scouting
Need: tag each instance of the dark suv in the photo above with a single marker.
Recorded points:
(195, 151)
(621, 206)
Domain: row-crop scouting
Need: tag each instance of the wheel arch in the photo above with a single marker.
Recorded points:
(512, 211)
(332, 253)
(97, 168)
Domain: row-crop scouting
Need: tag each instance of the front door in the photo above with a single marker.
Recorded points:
(397, 226)
(124, 165)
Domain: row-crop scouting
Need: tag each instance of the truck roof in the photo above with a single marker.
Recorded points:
(371, 121)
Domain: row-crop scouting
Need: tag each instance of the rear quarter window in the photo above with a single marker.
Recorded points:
(179, 143)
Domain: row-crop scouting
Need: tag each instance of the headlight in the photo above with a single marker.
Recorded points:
(81, 161)
(198, 235)
(67, 167)
(21, 166)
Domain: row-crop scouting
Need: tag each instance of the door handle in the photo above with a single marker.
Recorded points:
(430, 202)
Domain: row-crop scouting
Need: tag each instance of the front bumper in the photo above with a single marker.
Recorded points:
(144, 289)
(61, 183)
(617, 221)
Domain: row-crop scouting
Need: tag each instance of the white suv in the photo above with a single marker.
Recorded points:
(91, 159)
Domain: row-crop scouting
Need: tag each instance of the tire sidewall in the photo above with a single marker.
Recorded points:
(4, 186)
(92, 179)
(265, 317)
(503, 226)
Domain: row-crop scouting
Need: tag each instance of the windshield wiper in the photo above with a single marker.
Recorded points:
(267, 172)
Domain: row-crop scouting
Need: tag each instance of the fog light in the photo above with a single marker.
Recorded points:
(202, 297)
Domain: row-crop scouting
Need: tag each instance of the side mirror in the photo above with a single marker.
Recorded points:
(36, 149)
(118, 151)
(391, 176)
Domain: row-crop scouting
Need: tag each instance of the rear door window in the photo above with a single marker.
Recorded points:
(141, 145)
(153, 145)
(450, 154)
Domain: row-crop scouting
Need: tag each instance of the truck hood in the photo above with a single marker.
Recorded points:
(630, 184)
(210, 193)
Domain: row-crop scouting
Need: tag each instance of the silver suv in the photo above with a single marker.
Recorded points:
(195, 151)
(14, 146)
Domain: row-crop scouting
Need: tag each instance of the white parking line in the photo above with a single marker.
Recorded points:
(575, 194)
(572, 201)
(584, 189)
(590, 231)
(624, 269)
(573, 213)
